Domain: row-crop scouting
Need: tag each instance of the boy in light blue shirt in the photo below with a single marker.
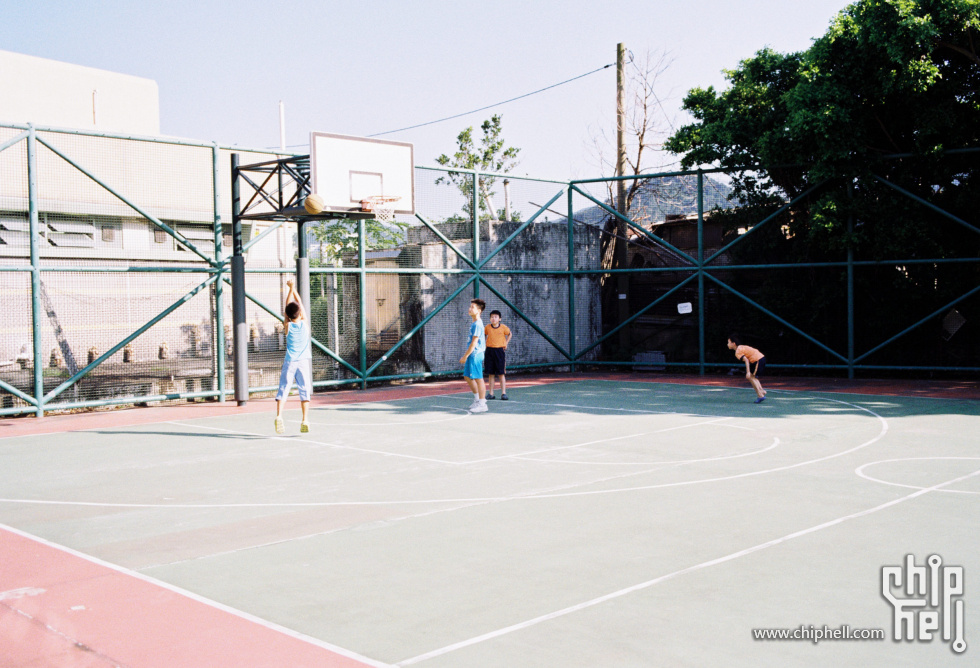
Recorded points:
(472, 359)
(298, 363)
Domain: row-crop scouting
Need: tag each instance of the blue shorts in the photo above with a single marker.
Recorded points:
(302, 370)
(474, 366)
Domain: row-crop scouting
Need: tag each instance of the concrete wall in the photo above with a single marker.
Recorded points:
(542, 298)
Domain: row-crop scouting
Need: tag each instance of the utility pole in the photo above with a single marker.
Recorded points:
(622, 231)
(282, 126)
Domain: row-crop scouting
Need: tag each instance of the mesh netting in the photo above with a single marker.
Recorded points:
(580, 283)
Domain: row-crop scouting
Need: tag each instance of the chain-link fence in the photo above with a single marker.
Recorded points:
(116, 286)
(877, 273)
(111, 269)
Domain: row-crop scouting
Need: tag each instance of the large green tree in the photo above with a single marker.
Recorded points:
(884, 98)
(889, 76)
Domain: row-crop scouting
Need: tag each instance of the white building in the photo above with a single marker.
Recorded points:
(48, 92)
(83, 224)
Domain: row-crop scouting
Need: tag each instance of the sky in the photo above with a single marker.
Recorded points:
(372, 66)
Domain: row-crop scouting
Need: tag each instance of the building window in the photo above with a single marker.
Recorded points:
(159, 236)
(110, 234)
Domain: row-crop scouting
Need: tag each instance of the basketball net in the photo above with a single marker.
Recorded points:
(383, 207)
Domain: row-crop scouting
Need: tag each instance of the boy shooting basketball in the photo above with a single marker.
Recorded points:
(298, 362)
(498, 336)
(472, 359)
(751, 356)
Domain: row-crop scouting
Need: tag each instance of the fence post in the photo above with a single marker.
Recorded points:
(701, 341)
(362, 302)
(303, 266)
(303, 278)
(218, 336)
(476, 232)
(850, 279)
(35, 269)
(571, 280)
(238, 290)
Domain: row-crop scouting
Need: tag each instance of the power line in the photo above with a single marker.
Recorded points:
(491, 106)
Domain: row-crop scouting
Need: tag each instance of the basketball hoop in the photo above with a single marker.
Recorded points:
(383, 207)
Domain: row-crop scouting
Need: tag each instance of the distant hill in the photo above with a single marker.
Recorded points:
(660, 197)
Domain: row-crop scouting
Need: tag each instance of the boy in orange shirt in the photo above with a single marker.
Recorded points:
(498, 336)
(751, 356)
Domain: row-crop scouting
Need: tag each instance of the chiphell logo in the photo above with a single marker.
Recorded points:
(927, 600)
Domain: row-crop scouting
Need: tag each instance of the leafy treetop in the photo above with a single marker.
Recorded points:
(889, 76)
(492, 155)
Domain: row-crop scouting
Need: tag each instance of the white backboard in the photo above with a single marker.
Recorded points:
(344, 170)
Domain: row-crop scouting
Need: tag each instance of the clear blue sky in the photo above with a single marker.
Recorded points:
(367, 67)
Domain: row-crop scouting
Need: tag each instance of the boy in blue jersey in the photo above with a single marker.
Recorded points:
(472, 359)
(299, 359)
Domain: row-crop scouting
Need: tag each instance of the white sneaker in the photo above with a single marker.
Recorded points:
(476, 402)
(481, 407)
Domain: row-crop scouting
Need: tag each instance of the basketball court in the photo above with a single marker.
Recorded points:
(589, 520)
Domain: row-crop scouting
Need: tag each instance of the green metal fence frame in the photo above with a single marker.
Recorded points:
(701, 269)
(216, 267)
(475, 273)
(696, 268)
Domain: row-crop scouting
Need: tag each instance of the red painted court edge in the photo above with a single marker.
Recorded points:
(60, 608)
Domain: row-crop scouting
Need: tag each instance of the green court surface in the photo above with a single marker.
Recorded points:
(583, 523)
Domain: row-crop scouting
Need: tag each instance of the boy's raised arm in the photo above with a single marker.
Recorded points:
(293, 296)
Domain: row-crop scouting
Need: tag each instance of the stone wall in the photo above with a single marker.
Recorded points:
(542, 297)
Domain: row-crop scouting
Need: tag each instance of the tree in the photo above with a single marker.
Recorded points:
(338, 237)
(889, 78)
(491, 156)
(645, 124)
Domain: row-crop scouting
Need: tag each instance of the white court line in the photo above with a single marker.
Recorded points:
(670, 576)
(200, 599)
(775, 443)
(480, 502)
(465, 414)
(630, 410)
(474, 461)
(860, 471)
(516, 402)
(325, 504)
(437, 461)
(291, 539)
(693, 424)
(557, 447)
(293, 439)
(519, 455)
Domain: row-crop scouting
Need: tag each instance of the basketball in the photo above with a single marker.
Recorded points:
(313, 204)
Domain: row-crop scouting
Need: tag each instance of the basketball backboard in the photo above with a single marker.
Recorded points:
(345, 170)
